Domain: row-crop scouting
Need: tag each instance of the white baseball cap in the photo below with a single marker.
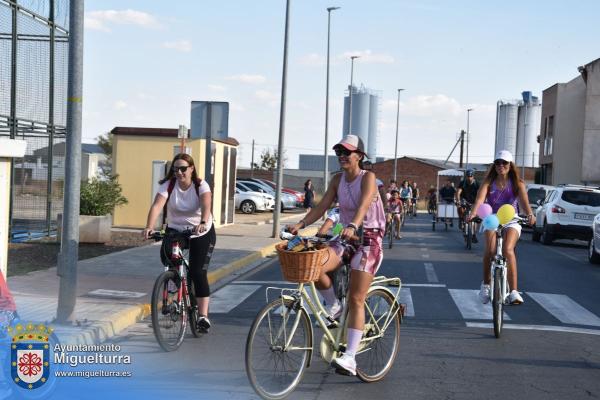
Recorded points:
(504, 155)
(352, 143)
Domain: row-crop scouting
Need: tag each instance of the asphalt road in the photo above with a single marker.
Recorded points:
(550, 348)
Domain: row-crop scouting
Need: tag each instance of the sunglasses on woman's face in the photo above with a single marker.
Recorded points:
(342, 151)
(181, 169)
(501, 162)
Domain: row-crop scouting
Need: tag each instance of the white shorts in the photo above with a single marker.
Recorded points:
(514, 225)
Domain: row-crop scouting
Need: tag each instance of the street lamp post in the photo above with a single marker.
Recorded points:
(279, 182)
(326, 171)
(396, 146)
(468, 136)
(350, 94)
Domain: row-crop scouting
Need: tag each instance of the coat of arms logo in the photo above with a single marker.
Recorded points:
(30, 355)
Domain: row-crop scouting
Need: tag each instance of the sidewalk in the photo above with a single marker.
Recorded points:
(114, 290)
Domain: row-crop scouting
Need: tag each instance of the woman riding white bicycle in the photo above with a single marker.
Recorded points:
(360, 204)
(502, 186)
(187, 202)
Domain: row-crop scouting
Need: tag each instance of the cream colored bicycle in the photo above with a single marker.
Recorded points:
(280, 343)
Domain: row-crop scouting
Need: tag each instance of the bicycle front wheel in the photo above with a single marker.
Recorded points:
(169, 318)
(275, 368)
(381, 337)
(497, 302)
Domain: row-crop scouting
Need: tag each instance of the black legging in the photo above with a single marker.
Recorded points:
(201, 249)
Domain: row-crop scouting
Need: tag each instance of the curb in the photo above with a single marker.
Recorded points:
(101, 331)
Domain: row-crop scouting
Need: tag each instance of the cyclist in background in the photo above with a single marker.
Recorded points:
(406, 195)
(415, 197)
(392, 185)
(447, 195)
(394, 208)
(466, 195)
(502, 186)
(431, 200)
(188, 206)
(360, 205)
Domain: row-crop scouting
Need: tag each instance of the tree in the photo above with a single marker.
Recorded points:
(268, 159)
(106, 144)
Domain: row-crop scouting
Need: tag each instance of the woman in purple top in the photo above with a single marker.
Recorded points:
(360, 205)
(502, 186)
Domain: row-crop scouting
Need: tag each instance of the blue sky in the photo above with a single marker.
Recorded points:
(145, 60)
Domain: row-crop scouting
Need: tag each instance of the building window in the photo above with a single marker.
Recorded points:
(549, 135)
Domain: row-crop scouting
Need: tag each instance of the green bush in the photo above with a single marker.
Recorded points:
(100, 197)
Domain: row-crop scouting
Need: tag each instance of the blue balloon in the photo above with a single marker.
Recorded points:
(491, 222)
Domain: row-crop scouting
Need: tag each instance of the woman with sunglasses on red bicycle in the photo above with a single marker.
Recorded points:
(502, 186)
(360, 205)
(188, 206)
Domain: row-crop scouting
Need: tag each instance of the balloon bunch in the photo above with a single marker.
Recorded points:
(492, 221)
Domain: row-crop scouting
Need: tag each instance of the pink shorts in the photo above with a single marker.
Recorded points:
(369, 255)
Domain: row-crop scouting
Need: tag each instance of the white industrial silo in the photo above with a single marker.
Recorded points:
(364, 118)
(528, 128)
(506, 126)
(373, 119)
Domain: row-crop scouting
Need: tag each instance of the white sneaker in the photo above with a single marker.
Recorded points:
(334, 311)
(515, 298)
(484, 293)
(345, 364)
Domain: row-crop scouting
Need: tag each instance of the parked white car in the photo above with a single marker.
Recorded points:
(567, 213)
(249, 202)
(288, 201)
(537, 192)
(594, 245)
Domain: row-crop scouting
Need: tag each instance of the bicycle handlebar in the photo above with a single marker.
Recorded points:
(284, 235)
(160, 235)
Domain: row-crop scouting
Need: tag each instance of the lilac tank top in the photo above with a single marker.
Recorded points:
(498, 197)
(349, 194)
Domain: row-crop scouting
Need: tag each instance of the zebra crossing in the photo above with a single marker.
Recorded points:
(560, 307)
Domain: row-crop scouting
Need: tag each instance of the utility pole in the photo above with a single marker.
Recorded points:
(252, 162)
(396, 146)
(69, 244)
(326, 171)
(462, 145)
(279, 181)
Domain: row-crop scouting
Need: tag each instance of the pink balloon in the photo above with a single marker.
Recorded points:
(484, 210)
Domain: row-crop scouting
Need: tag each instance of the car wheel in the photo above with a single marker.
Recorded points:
(535, 235)
(282, 207)
(593, 257)
(546, 237)
(247, 207)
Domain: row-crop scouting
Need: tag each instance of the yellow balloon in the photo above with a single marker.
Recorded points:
(505, 213)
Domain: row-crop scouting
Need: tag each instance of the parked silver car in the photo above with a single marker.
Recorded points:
(594, 245)
(288, 201)
(249, 202)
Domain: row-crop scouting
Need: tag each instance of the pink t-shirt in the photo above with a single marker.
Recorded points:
(349, 194)
(183, 208)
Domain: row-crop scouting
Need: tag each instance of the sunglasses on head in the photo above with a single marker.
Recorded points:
(501, 162)
(181, 169)
(342, 151)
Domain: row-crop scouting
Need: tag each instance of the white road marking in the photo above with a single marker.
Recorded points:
(406, 298)
(550, 328)
(115, 293)
(569, 256)
(565, 309)
(227, 298)
(430, 272)
(442, 285)
(285, 283)
(424, 249)
(425, 255)
(470, 306)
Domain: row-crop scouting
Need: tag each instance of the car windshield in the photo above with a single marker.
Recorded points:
(581, 198)
(535, 195)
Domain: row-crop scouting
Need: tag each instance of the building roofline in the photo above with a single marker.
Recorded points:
(161, 132)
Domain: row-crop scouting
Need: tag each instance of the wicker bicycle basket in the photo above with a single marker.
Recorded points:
(301, 267)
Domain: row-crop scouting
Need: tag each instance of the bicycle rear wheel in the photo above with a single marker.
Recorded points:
(169, 318)
(192, 307)
(273, 370)
(381, 337)
(497, 302)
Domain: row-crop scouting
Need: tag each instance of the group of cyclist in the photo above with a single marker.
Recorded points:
(360, 203)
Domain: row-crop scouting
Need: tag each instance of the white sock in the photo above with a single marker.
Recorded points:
(328, 295)
(354, 336)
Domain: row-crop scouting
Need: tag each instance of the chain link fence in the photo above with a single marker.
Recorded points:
(33, 107)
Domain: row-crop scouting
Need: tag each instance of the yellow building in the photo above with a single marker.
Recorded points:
(137, 152)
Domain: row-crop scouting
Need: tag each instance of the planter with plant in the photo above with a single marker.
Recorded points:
(98, 199)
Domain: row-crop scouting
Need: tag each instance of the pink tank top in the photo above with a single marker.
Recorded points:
(349, 194)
